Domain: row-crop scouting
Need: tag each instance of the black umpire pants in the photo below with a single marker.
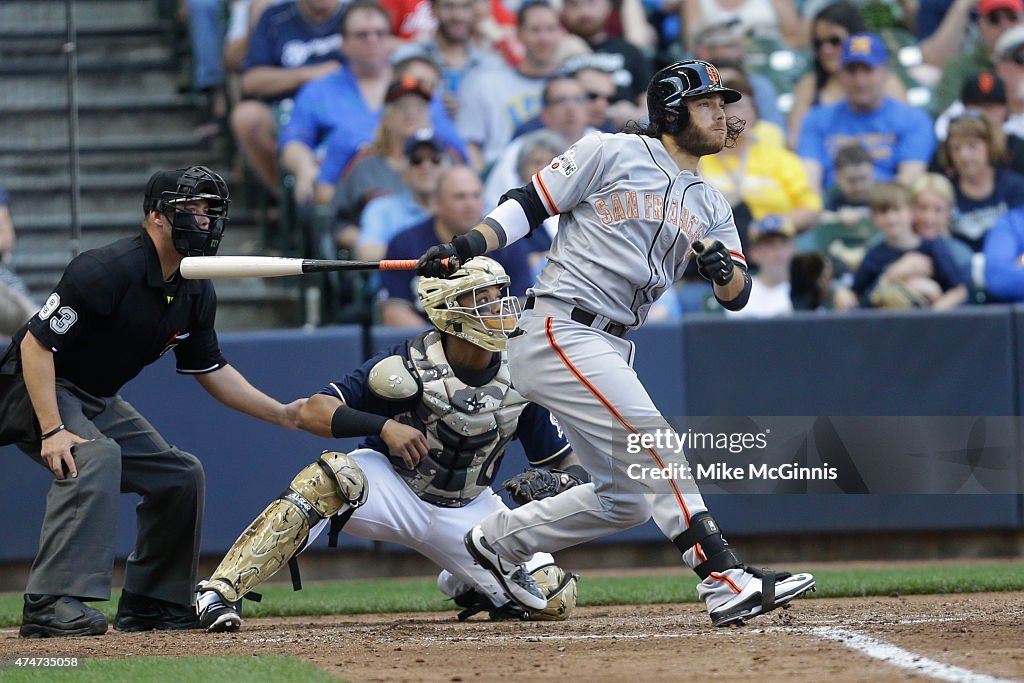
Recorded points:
(125, 454)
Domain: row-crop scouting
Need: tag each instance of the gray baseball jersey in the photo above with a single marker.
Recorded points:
(628, 218)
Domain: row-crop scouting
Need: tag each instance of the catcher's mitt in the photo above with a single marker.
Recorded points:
(538, 484)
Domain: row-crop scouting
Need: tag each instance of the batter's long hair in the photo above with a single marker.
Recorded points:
(734, 126)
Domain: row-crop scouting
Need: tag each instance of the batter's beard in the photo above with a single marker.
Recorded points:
(704, 142)
(699, 143)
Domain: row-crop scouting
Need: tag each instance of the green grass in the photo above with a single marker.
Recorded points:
(421, 595)
(262, 668)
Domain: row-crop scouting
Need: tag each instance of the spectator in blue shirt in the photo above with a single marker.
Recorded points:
(459, 208)
(898, 136)
(293, 43)
(341, 113)
(353, 91)
(904, 270)
(1004, 257)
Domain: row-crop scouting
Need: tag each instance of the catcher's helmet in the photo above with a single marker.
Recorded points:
(486, 325)
(673, 84)
(171, 191)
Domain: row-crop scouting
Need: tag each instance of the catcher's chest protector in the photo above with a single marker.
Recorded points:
(467, 427)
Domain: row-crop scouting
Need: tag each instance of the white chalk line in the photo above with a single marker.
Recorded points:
(869, 646)
(904, 659)
(859, 642)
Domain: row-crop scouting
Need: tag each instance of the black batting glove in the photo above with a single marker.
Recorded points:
(441, 260)
(713, 261)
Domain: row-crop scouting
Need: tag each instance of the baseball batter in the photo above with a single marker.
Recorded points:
(633, 209)
(439, 412)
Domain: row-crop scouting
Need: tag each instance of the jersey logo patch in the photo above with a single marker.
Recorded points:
(175, 339)
(565, 163)
(50, 306)
(65, 318)
(554, 422)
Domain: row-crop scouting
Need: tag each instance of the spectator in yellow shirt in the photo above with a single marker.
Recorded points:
(760, 179)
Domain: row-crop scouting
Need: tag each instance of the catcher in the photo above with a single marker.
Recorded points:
(438, 412)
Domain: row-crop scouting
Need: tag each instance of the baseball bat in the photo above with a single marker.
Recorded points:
(213, 267)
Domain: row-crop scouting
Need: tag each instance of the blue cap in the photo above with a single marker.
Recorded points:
(424, 136)
(864, 48)
(771, 226)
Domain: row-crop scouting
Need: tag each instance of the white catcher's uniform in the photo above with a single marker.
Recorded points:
(468, 427)
(628, 218)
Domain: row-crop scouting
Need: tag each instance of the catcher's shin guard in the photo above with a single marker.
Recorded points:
(318, 491)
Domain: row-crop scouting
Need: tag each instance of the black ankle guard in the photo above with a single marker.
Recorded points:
(704, 530)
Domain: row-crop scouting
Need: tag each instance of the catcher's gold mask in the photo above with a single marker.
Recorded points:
(473, 304)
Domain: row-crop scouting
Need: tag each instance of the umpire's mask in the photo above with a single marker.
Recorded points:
(172, 192)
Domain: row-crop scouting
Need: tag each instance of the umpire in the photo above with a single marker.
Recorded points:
(115, 310)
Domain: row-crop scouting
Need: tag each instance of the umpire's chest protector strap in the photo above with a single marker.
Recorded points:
(704, 530)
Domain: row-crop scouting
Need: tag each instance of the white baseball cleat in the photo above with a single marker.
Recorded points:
(765, 591)
(517, 582)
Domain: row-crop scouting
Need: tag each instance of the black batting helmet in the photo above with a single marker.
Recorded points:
(673, 84)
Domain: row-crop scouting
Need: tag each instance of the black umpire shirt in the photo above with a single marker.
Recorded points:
(112, 314)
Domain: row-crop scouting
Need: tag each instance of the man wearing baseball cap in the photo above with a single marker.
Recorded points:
(384, 217)
(983, 92)
(995, 18)
(898, 136)
(770, 248)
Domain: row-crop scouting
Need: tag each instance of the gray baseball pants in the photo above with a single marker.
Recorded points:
(584, 377)
(125, 454)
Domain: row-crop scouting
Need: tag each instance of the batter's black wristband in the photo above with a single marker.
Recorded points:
(473, 243)
(741, 299)
(348, 421)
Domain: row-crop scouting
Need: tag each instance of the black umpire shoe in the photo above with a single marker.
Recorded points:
(56, 616)
(141, 613)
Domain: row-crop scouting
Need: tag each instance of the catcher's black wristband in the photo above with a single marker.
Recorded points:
(473, 243)
(348, 421)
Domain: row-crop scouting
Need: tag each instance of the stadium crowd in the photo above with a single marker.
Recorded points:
(881, 163)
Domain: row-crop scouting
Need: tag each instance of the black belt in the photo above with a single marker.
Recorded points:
(585, 317)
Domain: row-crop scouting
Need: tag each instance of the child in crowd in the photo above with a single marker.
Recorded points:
(845, 227)
(934, 199)
(904, 270)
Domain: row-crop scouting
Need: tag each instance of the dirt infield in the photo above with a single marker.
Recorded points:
(947, 637)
